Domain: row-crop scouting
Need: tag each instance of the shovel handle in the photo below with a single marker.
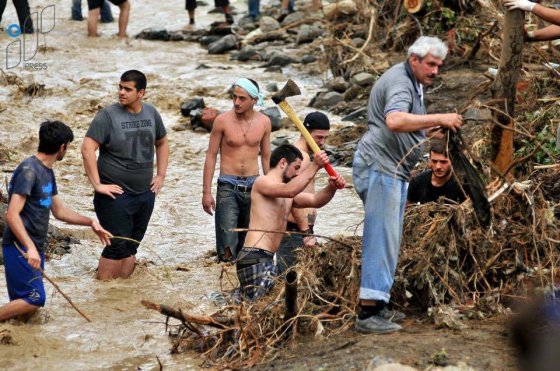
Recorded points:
(314, 147)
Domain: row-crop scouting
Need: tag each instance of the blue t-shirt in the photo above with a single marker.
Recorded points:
(36, 181)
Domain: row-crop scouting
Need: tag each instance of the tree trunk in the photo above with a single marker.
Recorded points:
(413, 6)
(504, 88)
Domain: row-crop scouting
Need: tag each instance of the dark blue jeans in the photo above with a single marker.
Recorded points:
(106, 15)
(233, 207)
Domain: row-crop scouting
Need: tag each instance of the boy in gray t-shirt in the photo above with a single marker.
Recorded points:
(127, 134)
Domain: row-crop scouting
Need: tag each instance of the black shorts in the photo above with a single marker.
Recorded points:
(126, 216)
(94, 4)
(221, 3)
(190, 4)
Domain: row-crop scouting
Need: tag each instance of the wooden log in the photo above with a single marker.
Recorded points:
(504, 89)
(413, 6)
(213, 321)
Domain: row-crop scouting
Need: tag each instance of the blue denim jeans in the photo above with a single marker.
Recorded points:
(106, 15)
(384, 198)
(254, 6)
(233, 208)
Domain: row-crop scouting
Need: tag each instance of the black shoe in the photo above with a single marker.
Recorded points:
(282, 16)
(191, 21)
(229, 19)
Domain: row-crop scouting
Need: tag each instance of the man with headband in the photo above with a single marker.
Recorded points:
(302, 220)
(238, 135)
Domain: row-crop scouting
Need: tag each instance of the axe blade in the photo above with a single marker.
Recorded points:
(289, 90)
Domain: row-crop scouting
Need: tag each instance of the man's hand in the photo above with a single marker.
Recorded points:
(157, 184)
(451, 121)
(208, 203)
(33, 258)
(103, 235)
(337, 182)
(108, 189)
(321, 159)
(524, 5)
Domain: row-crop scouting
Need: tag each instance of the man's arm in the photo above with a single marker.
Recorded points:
(551, 32)
(17, 202)
(265, 147)
(208, 202)
(321, 198)
(89, 146)
(547, 14)
(69, 216)
(403, 122)
(162, 160)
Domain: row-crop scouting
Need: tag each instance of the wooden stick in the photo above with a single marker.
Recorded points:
(54, 284)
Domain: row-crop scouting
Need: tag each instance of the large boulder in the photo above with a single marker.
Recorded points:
(363, 79)
(327, 100)
(275, 117)
(268, 24)
(308, 33)
(280, 59)
(293, 17)
(192, 104)
(221, 46)
(338, 84)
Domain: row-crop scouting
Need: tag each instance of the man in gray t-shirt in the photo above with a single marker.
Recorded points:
(386, 155)
(127, 134)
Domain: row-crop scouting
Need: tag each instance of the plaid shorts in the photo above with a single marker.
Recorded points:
(256, 280)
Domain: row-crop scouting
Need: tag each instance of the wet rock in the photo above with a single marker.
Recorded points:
(268, 24)
(273, 69)
(308, 58)
(328, 99)
(247, 23)
(358, 115)
(275, 117)
(352, 92)
(358, 42)
(192, 104)
(338, 84)
(154, 34)
(207, 40)
(340, 8)
(281, 140)
(308, 33)
(219, 28)
(280, 59)
(363, 78)
(293, 17)
(248, 53)
(224, 44)
(272, 87)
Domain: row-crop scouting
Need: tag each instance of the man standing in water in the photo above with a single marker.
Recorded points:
(126, 134)
(32, 195)
(273, 196)
(383, 162)
(303, 220)
(94, 7)
(238, 135)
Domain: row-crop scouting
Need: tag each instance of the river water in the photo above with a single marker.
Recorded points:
(81, 76)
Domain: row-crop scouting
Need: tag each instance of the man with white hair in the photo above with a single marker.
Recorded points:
(238, 135)
(383, 162)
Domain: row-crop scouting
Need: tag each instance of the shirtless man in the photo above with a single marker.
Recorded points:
(303, 220)
(238, 134)
(272, 198)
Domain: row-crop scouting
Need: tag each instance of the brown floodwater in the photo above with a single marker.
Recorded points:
(81, 76)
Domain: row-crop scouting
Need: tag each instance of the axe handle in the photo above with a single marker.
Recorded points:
(295, 119)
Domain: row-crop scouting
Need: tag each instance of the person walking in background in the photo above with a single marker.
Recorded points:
(94, 7)
(23, 13)
(106, 15)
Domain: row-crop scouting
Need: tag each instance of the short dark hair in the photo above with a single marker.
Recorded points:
(138, 77)
(287, 151)
(254, 83)
(53, 134)
(439, 147)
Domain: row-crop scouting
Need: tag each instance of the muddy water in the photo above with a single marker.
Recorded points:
(81, 76)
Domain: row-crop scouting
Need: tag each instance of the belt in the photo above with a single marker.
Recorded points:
(237, 187)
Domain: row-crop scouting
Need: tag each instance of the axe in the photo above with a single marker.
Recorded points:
(290, 90)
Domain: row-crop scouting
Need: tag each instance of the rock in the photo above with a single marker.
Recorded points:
(280, 141)
(352, 92)
(308, 58)
(308, 33)
(207, 40)
(340, 8)
(328, 99)
(272, 87)
(479, 115)
(224, 44)
(154, 34)
(293, 17)
(280, 59)
(358, 115)
(188, 106)
(393, 367)
(247, 23)
(273, 69)
(268, 24)
(363, 79)
(358, 42)
(275, 117)
(338, 84)
(248, 53)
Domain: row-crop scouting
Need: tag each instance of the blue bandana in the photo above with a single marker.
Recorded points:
(251, 89)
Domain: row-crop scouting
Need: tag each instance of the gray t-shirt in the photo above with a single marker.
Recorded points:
(126, 151)
(389, 152)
